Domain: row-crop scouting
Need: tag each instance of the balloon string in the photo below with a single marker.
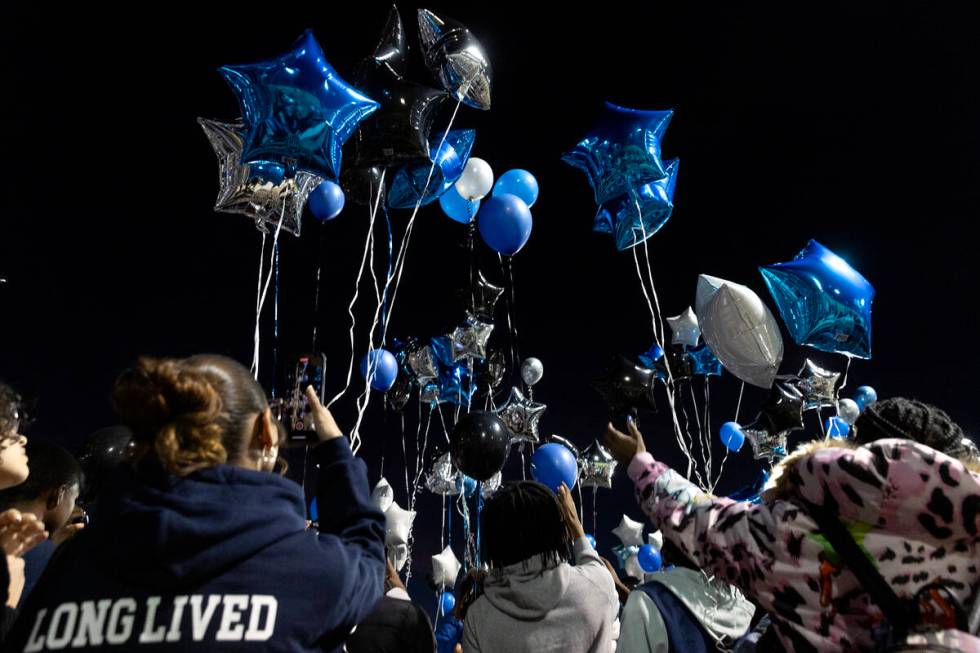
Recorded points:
(384, 299)
(581, 504)
(442, 419)
(357, 284)
(275, 326)
(316, 291)
(823, 429)
(403, 248)
(396, 276)
(670, 398)
(705, 446)
(738, 406)
(420, 458)
(479, 511)
(507, 267)
(847, 369)
(265, 291)
(595, 491)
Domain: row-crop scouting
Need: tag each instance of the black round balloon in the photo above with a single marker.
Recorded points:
(479, 445)
(101, 454)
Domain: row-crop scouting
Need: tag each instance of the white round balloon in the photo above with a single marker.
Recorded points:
(476, 181)
(531, 371)
(848, 410)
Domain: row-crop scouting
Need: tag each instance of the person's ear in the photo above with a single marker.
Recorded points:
(55, 497)
(265, 435)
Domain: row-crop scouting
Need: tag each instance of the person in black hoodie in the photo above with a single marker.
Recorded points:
(198, 546)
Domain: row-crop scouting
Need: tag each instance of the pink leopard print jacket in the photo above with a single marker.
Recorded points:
(915, 511)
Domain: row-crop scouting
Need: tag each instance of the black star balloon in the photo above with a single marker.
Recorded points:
(521, 415)
(482, 297)
(681, 365)
(456, 58)
(819, 386)
(780, 415)
(596, 466)
(399, 130)
(626, 386)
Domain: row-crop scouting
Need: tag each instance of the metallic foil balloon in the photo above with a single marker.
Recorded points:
(819, 386)
(650, 357)
(531, 371)
(430, 394)
(398, 554)
(399, 130)
(261, 192)
(780, 415)
(480, 443)
(445, 568)
(491, 485)
(565, 442)
(456, 58)
(470, 341)
(704, 362)
(684, 329)
(521, 416)
(442, 349)
(297, 110)
(622, 152)
(103, 452)
(640, 214)
(740, 330)
(656, 539)
(483, 297)
(626, 559)
(625, 386)
(456, 384)
(629, 532)
(382, 495)
(492, 372)
(422, 362)
(751, 493)
(398, 394)
(425, 180)
(825, 303)
(398, 524)
(442, 477)
(681, 366)
(596, 466)
(362, 185)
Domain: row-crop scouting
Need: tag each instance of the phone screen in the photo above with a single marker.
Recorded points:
(310, 370)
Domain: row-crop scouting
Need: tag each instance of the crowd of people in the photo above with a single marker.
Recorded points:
(193, 542)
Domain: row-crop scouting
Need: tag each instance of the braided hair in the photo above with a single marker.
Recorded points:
(522, 520)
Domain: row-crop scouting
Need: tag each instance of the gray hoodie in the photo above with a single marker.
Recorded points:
(719, 608)
(533, 608)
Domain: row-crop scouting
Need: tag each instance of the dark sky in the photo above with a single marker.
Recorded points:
(852, 123)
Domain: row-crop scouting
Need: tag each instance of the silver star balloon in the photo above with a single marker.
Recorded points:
(422, 363)
(819, 386)
(470, 341)
(491, 485)
(684, 328)
(457, 58)
(445, 568)
(521, 415)
(629, 532)
(260, 191)
(596, 466)
(382, 495)
(442, 479)
(398, 524)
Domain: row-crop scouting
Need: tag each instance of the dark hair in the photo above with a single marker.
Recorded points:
(671, 554)
(911, 420)
(522, 520)
(11, 414)
(194, 411)
(51, 467)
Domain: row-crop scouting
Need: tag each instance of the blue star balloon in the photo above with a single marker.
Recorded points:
(456, 384)
(408, 187)
(624, 553)
(825, 303)
(297, 110)
(642, 212)
(752, 493)
(622, 152)
(442, 348)
(650, 357)
(704, 362)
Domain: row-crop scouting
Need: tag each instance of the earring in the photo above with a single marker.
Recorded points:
(268, 458)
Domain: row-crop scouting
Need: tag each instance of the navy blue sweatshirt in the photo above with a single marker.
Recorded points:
(218, 561)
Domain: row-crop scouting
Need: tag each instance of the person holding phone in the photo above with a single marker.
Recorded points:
(199, 546)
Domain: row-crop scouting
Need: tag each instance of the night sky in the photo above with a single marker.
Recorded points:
(854, 123)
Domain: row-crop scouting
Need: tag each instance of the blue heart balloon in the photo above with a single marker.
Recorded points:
(824, 302)
(413, 184)
(297, 109)
(622, 152)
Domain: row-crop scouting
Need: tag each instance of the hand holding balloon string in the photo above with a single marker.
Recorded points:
(570, 513)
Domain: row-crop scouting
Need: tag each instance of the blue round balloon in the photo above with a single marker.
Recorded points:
(553, 464)
(456, 207)
(520, 183)
(385, 368)
(836, 427)
(865, 396)
(447, 603)
(466, 485)
(505, 223)
(649, 558)
(732, 436)
(326, 201)
(590, 539)
(314, 511)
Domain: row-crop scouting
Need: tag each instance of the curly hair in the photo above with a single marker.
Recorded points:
(11, 415)
(192, 411)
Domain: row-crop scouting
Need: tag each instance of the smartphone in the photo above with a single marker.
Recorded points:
(310, 370)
